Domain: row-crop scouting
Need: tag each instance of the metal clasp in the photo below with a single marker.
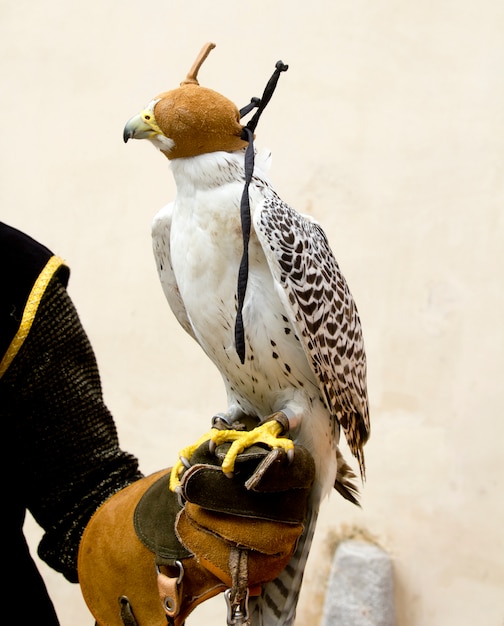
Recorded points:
(237, 611)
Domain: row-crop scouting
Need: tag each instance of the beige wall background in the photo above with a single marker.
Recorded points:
(389, 129)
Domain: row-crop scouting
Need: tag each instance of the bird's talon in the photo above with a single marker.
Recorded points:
(220, 422)
(185, 462)
(211, 446)
(290, 455)
(228, 474)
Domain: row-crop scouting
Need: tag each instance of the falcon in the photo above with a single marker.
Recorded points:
(256, 284)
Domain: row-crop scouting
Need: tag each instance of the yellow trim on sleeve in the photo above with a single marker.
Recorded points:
(30, 311)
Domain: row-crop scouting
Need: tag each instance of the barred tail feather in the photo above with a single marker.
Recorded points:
(344, 484)
(276, 606)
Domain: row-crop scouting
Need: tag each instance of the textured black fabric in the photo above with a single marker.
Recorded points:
(23, 585)
(21, 261)
(62, 438)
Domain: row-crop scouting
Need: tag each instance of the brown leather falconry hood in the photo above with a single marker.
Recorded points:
(196, 119)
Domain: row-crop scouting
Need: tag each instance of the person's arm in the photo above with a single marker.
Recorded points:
(64, 440)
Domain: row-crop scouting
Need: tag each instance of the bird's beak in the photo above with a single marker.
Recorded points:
(138, 128)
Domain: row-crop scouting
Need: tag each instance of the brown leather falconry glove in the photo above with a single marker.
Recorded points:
(149, 554)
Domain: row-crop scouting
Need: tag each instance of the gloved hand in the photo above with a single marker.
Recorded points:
(164, 554)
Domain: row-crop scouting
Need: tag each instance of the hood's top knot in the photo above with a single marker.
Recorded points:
(192, 76)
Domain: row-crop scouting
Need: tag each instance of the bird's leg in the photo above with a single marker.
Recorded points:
(225, 427)
(271, 432)
(235, 418)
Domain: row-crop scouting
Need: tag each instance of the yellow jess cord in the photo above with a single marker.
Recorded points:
(30, 311)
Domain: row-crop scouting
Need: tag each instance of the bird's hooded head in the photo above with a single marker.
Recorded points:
(189, 120)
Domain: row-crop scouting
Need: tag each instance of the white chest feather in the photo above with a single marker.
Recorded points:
(206, 248)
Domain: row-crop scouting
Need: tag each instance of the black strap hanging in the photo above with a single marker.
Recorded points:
(248, 135)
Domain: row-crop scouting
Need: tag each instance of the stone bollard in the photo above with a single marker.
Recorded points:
(360, 591)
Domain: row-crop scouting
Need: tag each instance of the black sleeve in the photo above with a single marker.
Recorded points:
(67, 459)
